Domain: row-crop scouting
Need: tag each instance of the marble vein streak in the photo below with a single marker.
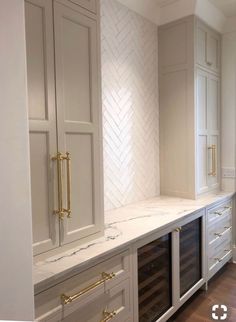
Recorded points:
(109, 235)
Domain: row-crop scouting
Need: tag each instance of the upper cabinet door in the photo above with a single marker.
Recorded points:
(78, 115)
(42, 122)
(208, 48)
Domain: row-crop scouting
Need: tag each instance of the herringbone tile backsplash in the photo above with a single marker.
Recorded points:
(130, 105)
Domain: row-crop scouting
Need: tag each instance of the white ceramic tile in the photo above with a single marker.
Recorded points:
(130, 105)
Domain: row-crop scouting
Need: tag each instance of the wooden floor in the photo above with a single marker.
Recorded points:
(222, 290)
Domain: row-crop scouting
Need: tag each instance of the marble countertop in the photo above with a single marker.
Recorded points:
(123, 226)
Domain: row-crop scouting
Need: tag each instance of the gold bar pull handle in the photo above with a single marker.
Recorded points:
(107, 316)
(60, 210)
(213, 160)
(68, 170)
(65, 299)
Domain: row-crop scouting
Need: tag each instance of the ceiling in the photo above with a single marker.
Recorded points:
(228, 7)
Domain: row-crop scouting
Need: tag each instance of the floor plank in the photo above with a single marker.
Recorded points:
(222, 290)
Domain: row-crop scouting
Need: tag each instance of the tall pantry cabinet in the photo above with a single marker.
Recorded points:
(189, 80)
(63, 66)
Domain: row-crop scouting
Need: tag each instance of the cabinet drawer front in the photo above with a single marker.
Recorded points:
(220, 212)
(219, 249)
(113, 303)
(84, 281)
(217, 229)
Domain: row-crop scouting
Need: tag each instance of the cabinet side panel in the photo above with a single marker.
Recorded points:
(177, 114)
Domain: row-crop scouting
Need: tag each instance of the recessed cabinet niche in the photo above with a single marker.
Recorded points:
(189, 81)
(62, 42)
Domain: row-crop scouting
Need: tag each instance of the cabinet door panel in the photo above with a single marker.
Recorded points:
(213, 181)
(208, 47)
(202, 161)
(42, 121)
(190, 255)
(76, 75)
(78, 108)
(201, 46)
(201, 100)
(213, 50)
(154, 279)
(213, 103)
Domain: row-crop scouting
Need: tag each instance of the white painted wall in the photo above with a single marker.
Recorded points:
(228, 114)
(16, 287)
(210, 14)
(164, 11)
(228, 111)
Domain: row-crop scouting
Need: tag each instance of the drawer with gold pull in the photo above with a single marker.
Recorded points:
(84, 287)
(219, 212)
(111, 305)
(219, 249)
(218, 229)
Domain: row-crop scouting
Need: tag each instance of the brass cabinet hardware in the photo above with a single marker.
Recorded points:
(61, 210)
(228, 207)
(213, 160)
(65, 299)
(68, 161)
(218, 234)
(107, 316)
(220, 213)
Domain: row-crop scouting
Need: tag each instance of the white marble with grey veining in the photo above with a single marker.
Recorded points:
(123, 227)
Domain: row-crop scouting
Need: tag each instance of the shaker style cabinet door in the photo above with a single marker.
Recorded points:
(208, 48)
(42, 122)
(77, 96)
(208, 131)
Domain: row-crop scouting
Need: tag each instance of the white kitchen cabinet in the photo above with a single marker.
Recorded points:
(208, 131)
(219, 236)
(168, 269)
(99, 293)
(208, 47)
(65, 123)
(189, 111)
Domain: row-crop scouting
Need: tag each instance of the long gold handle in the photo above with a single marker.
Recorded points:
(213, 160)
(108, 315)
(60, 210)
(65, 299)
(68, 161)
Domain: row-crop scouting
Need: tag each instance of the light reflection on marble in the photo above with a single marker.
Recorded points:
(123, 226)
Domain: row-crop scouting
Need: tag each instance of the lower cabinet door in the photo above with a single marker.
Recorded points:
(190, 255)
(154, 279)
